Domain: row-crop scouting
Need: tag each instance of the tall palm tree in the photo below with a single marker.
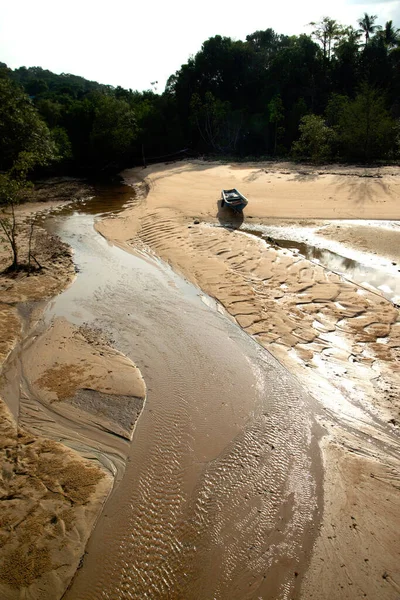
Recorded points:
(327, 31)
(352, 35)
(367, 25)
(334, 32)
(390, 35)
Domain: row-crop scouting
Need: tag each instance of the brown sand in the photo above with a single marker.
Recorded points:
(356, 554)
(50, 495)
(195, 187)
(342, 341)
(65, 364)
(50, 499)
(367, 238)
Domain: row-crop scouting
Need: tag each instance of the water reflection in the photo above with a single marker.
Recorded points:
(100, 198)
(387, 285)
(202, 485)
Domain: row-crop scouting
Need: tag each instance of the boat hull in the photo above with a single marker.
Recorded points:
(233, 199)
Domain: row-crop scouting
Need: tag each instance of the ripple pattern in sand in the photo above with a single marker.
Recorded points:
(219, 497)
(312, 319)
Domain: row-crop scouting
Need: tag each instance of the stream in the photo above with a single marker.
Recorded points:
(221, 493)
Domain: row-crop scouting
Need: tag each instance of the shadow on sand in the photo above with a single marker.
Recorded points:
(229, 218)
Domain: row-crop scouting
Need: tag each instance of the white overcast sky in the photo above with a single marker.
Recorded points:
(133, 43)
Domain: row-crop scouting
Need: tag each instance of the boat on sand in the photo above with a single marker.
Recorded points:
(233, 199)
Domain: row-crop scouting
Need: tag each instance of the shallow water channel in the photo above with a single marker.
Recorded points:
(385, 281)
(220, 497)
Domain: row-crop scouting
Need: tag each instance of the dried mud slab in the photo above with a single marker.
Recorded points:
(310, 318)
(50, 498)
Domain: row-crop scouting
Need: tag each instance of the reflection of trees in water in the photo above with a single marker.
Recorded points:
(328, 259)
(349, 268)
(340, 263)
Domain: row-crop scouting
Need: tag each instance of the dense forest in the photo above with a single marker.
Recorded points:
(331, 95)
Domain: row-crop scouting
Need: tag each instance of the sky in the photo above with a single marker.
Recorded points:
(134, 44)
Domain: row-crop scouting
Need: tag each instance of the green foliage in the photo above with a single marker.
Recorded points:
(37, 81)
(113, 131)
(276, 115)
(366, 128)
(51, 111)
(10, 189)
(10, 195)
(25, 140)
(337, 103)
(218, 125)
(316, 139)
(238, 97)
(276, 110)
(62, 144)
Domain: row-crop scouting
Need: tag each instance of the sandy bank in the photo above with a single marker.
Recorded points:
(276, 192)
(51, 498)
(367, 237)
(16, 288)
(52, 495)
(341, 340)
(84, 379)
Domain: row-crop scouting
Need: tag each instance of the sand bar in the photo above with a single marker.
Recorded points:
(341, 340)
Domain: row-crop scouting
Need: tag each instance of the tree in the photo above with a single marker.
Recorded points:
(276, 116)
(218, 125)
(21, 130)
(390, 35)
(51, 111)
(366, 24)
(346, 66)
(113, 132)
(351, 35)
(25, 142)
(366, 128)
(316, 139)
(62, 144)
(327, 31)
(337, 104)
(9, 196)
(228, 97)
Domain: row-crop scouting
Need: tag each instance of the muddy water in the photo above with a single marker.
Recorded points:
(220, 496)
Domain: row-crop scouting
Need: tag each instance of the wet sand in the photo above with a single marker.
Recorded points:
(340, 339)
(50, 495)
(218, 472)
(367, 237)
(56, 379)
(221, 494)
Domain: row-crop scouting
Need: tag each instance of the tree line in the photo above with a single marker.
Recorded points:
(332, 94)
